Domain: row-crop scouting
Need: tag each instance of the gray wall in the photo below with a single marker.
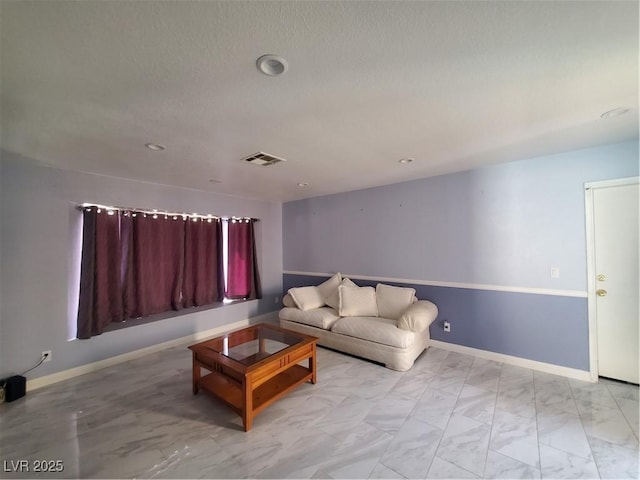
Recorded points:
(39, 253)
(504, 225)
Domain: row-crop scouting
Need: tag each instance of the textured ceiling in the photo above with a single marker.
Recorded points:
(85, 85)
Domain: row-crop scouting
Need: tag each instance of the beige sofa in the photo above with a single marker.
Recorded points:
(387, 324)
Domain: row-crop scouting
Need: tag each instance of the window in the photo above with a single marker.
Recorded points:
(139, 263)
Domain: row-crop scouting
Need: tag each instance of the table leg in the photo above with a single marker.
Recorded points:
(247, 405)
(196, 375)
(313, 365)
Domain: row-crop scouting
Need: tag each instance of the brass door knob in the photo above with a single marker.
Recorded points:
(601, 292)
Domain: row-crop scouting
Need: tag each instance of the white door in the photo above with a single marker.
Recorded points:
(614, 286)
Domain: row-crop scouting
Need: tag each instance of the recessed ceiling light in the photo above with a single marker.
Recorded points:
(616, 112)
(303, 184)
(404, 161)
(155, 146)
(272, 65)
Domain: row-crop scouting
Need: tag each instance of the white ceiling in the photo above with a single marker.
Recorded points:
(85, 85)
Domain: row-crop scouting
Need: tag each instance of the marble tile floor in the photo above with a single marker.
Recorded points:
(450, 416)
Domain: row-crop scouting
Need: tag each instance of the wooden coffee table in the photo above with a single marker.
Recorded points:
(253, 367)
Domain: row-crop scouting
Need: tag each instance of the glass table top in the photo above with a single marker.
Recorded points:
(253, 344)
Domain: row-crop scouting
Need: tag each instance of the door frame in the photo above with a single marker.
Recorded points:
(591, 266)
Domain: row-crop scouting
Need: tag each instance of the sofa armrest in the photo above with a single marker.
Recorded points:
(418, 316)
(288, 302)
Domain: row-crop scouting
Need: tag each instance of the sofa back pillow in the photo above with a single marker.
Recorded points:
(307, 298)
(328, 287)
(357, 301)
(333, 300)
(393, 301)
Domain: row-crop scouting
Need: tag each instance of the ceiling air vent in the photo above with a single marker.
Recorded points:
(263, 159)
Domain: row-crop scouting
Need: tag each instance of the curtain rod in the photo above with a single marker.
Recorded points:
(82, 206)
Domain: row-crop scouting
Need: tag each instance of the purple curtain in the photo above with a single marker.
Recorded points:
(243, 278)
(155, 265)
(101, 301)
(135, 265)
(203, 268)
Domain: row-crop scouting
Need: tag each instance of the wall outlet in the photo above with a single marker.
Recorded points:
(46, 355)
(555, 272)
(447, 326)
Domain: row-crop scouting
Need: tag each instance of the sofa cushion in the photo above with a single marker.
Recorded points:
(323, 317)
(330, 286)
(333, 300)
(393, 301)
(357, 301)
(307, 298)
(374, 329)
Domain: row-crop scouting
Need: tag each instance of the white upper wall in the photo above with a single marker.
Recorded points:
(504, 225)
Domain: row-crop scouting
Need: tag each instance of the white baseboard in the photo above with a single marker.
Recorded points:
(271, 317)
(574, 373)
